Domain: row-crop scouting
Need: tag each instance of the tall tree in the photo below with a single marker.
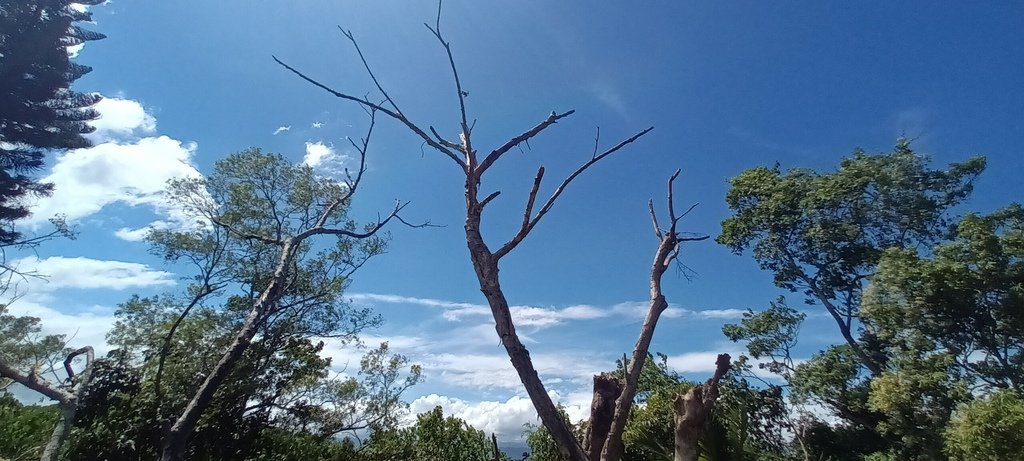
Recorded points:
(822, 234)
(277, 247)
(38, 109)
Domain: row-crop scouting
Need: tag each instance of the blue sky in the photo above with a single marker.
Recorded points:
(727, 86)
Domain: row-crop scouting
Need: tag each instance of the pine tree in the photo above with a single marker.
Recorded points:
(38, 110)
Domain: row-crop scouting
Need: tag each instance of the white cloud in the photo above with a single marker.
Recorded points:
(86, 180)
(86, 273)
(317, 153)
(502, 418)
(607, 94)
(120, 119)
(542, 317)
(127, 165)
(318, 124)
(281, 129)
(84, 328)
(132, 235)
(324, 159)
(696, 362)
(720, 313)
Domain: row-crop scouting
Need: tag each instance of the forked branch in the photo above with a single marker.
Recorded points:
(524, 137)
(529, 222)
(667, 251)
(395, 114)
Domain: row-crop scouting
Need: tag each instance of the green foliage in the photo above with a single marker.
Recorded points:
(542, 445)
(833, 227)
(282, 402)
(649, 431)
(771, 334)
(434, 437)
(38, 111)
(822, 234)
(988, 429)
(26, 428)
(966, 301)
(654, 376)
(22, 346)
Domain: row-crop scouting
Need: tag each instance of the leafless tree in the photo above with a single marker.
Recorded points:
(612, 405)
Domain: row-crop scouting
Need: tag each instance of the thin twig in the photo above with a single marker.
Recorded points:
(390, 113)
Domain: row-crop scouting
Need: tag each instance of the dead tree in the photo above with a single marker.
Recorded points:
(67, 396)
(613, 401)
(692, 410)
(609, 447)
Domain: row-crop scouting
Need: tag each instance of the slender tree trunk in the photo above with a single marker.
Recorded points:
(668, 248)
(176, 441)
(486, 268)
(51, 452)
(177, 438)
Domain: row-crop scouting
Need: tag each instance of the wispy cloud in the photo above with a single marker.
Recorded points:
(86, 273)
(281, 129)
(542, 317)
(605, 92)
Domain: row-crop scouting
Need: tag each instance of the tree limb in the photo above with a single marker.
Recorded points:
(390, 113)
(530, 223)
(524, 137)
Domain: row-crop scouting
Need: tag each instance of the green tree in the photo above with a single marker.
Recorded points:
(822, 234)
(282, 401)
(988, 429)
(275, 248)
(965, 300)
(434, 437)
(38, 110)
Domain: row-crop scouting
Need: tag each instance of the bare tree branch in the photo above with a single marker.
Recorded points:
(530, 223)
(467, 147)
(390, 113)
(524, 137)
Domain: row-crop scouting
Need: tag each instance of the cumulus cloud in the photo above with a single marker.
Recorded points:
(542, 317)
(318, 124)
(504, 418)
(119, 119)
(86, 180)
(317, 153)
(86, 273)
(128, 165)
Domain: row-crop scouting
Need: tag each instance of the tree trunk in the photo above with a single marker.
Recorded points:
(176, 441)
(177, 438)
(60, 432)
(607, 389)
(691, 412)
(486, 268)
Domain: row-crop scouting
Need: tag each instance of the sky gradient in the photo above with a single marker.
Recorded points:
(726, 86)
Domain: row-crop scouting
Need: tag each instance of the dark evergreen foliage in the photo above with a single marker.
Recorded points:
(38, 110)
